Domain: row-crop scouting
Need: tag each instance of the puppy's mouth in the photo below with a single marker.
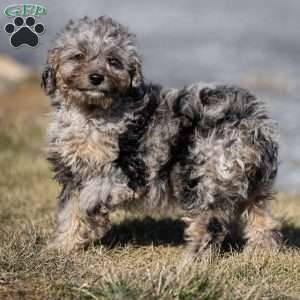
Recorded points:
(94, 92)
(94, 97)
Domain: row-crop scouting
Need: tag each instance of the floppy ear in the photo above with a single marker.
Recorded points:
(48, 80)
(137, 80)
(49, 73)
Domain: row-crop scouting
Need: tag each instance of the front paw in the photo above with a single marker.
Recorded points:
(76, 233)
(91, 200)
(97, 198)
(121, 194)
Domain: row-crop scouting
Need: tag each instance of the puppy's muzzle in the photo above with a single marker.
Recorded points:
(96, 79)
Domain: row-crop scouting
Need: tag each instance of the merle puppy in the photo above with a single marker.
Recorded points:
(116, 142)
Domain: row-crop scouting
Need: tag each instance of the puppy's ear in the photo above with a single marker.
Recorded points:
(137, 80)
(48, 80)
(49, 73)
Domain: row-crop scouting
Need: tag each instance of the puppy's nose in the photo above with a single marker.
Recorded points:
(96, 78)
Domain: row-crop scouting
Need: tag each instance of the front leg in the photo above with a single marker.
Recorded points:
(75, 229)
(83, 215)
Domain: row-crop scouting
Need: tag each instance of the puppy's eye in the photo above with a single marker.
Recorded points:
(78, 57)
(114, 62)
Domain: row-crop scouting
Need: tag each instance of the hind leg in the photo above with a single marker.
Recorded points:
(206, 230)
(261, 230)
(211, 186)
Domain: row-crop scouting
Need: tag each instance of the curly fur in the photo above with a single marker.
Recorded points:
(210, 149)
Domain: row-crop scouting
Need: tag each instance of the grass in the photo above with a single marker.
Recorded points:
(141, 258)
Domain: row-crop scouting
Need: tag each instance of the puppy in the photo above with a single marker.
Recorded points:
(116, 142)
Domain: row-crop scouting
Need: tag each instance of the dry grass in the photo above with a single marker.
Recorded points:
(139, 259)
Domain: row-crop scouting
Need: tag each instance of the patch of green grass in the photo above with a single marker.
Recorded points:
(141, 258)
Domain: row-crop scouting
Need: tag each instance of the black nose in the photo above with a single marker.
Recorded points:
(96, 79)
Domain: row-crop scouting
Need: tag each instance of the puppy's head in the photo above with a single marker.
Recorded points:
(94, 62)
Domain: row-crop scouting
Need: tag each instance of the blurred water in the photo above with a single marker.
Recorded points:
(253, 43)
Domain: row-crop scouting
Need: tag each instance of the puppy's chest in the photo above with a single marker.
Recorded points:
(86, 142)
